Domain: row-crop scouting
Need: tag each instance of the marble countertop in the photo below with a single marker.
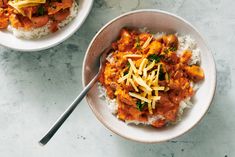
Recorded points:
(35, 88)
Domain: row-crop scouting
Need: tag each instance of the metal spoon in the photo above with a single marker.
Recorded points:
(74, 104)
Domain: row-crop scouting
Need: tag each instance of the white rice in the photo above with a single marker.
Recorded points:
(185, 42)
(112, 104)
(36, 33)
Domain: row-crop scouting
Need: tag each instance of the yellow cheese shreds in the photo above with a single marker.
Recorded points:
(143, 89)
(133, 85)
(132, 65)
(129, 76)
(150, 108)
(23, 2)
(18, 5)
(132, 56)
(153, 104)
(150, 66)
(156, 98)
(167, 77)
(142, 65)
(147, 42)
(150, 105)
(158, 88)
(143, 94)
(157, 76)
(122, 72)
(122, 78)
(156, 92)
(145, 73)
(25, 5)
(141, 82)
(139, 97)
(151, 77)
(15, 7)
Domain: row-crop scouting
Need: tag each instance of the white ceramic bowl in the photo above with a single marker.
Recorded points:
(156, 21)
(7, 39)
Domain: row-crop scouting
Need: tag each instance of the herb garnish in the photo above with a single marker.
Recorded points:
(154, 57)
(166, 50)
(41, 10)
(172, 48)
(137, 40)
(140, 105)
(161, 74)
(125, 73)
(128, 64)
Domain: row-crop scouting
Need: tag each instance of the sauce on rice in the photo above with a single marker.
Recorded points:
(147, 78)
(27, 15)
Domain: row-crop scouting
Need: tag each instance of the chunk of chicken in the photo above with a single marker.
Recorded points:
(187, 54)
(39, 21)
(155, 47)
(195, 73)
(171, 40)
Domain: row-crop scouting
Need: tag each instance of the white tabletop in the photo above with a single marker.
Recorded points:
(35, 88)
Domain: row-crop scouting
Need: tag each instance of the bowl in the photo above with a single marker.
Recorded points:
(9, 40)
(155, 21)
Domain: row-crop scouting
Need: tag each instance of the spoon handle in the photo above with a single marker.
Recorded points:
(67, 112)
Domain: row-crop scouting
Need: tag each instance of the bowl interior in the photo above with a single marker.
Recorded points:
(155, 21)
(9, 40)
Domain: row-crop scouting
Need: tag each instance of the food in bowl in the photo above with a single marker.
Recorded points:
(36, 18)
(151, 78)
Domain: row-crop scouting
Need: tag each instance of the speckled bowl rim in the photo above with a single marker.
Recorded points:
(213, 66)
(68, 35)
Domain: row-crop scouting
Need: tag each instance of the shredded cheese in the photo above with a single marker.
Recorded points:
(149, 104)
(158, 88)
(129, 76)
(133, 85)
(142, 65)
(132, 56)
(20, 4)
(146, 76)
(150, 66)
(122, 79)
(145, 73)
(154, 104)
(141, 82)
(139, 97)
(147, 42)
(132, 65)
(157, 76)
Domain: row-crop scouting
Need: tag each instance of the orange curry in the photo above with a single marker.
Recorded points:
(147, 77)
(29, 14)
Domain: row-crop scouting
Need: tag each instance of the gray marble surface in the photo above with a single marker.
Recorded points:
(35, 88)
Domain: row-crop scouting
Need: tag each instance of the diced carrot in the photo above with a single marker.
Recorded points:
(54, 8)
(61, 15)
(40, 21)
(54, 27)
(159, 123)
